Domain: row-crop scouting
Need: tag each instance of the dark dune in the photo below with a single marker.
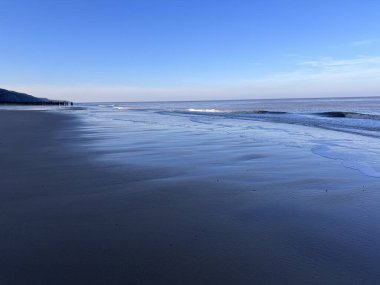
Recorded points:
(16, 98)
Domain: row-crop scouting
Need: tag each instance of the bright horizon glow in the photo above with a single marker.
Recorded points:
(146, 50)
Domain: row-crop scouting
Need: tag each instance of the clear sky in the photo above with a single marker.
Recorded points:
(138, 50)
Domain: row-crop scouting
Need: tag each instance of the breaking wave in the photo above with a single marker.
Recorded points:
(365, 124)
(348, 122)
(352, 115)
(208, 110)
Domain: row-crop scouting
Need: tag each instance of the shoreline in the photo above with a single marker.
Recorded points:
(68, 218)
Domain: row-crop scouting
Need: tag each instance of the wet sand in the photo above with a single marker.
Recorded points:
(68, 218)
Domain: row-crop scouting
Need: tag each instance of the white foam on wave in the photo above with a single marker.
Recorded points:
(207, 110)
(121, 108)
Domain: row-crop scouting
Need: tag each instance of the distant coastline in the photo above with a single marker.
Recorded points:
(8, 97)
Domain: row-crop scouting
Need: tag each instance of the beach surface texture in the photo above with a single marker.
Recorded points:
(152, 198)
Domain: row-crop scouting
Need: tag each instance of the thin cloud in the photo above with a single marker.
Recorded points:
(328, 62)
(325, 76)
(363, 43)
(357, 44)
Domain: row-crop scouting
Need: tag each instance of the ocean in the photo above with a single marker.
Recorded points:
(346, 130)
(342, 129)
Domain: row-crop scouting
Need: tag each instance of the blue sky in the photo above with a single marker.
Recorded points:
(142, 50)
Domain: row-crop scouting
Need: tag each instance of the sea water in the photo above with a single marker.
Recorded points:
(342, 129)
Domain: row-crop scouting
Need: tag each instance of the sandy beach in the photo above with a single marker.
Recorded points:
(186, 212)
